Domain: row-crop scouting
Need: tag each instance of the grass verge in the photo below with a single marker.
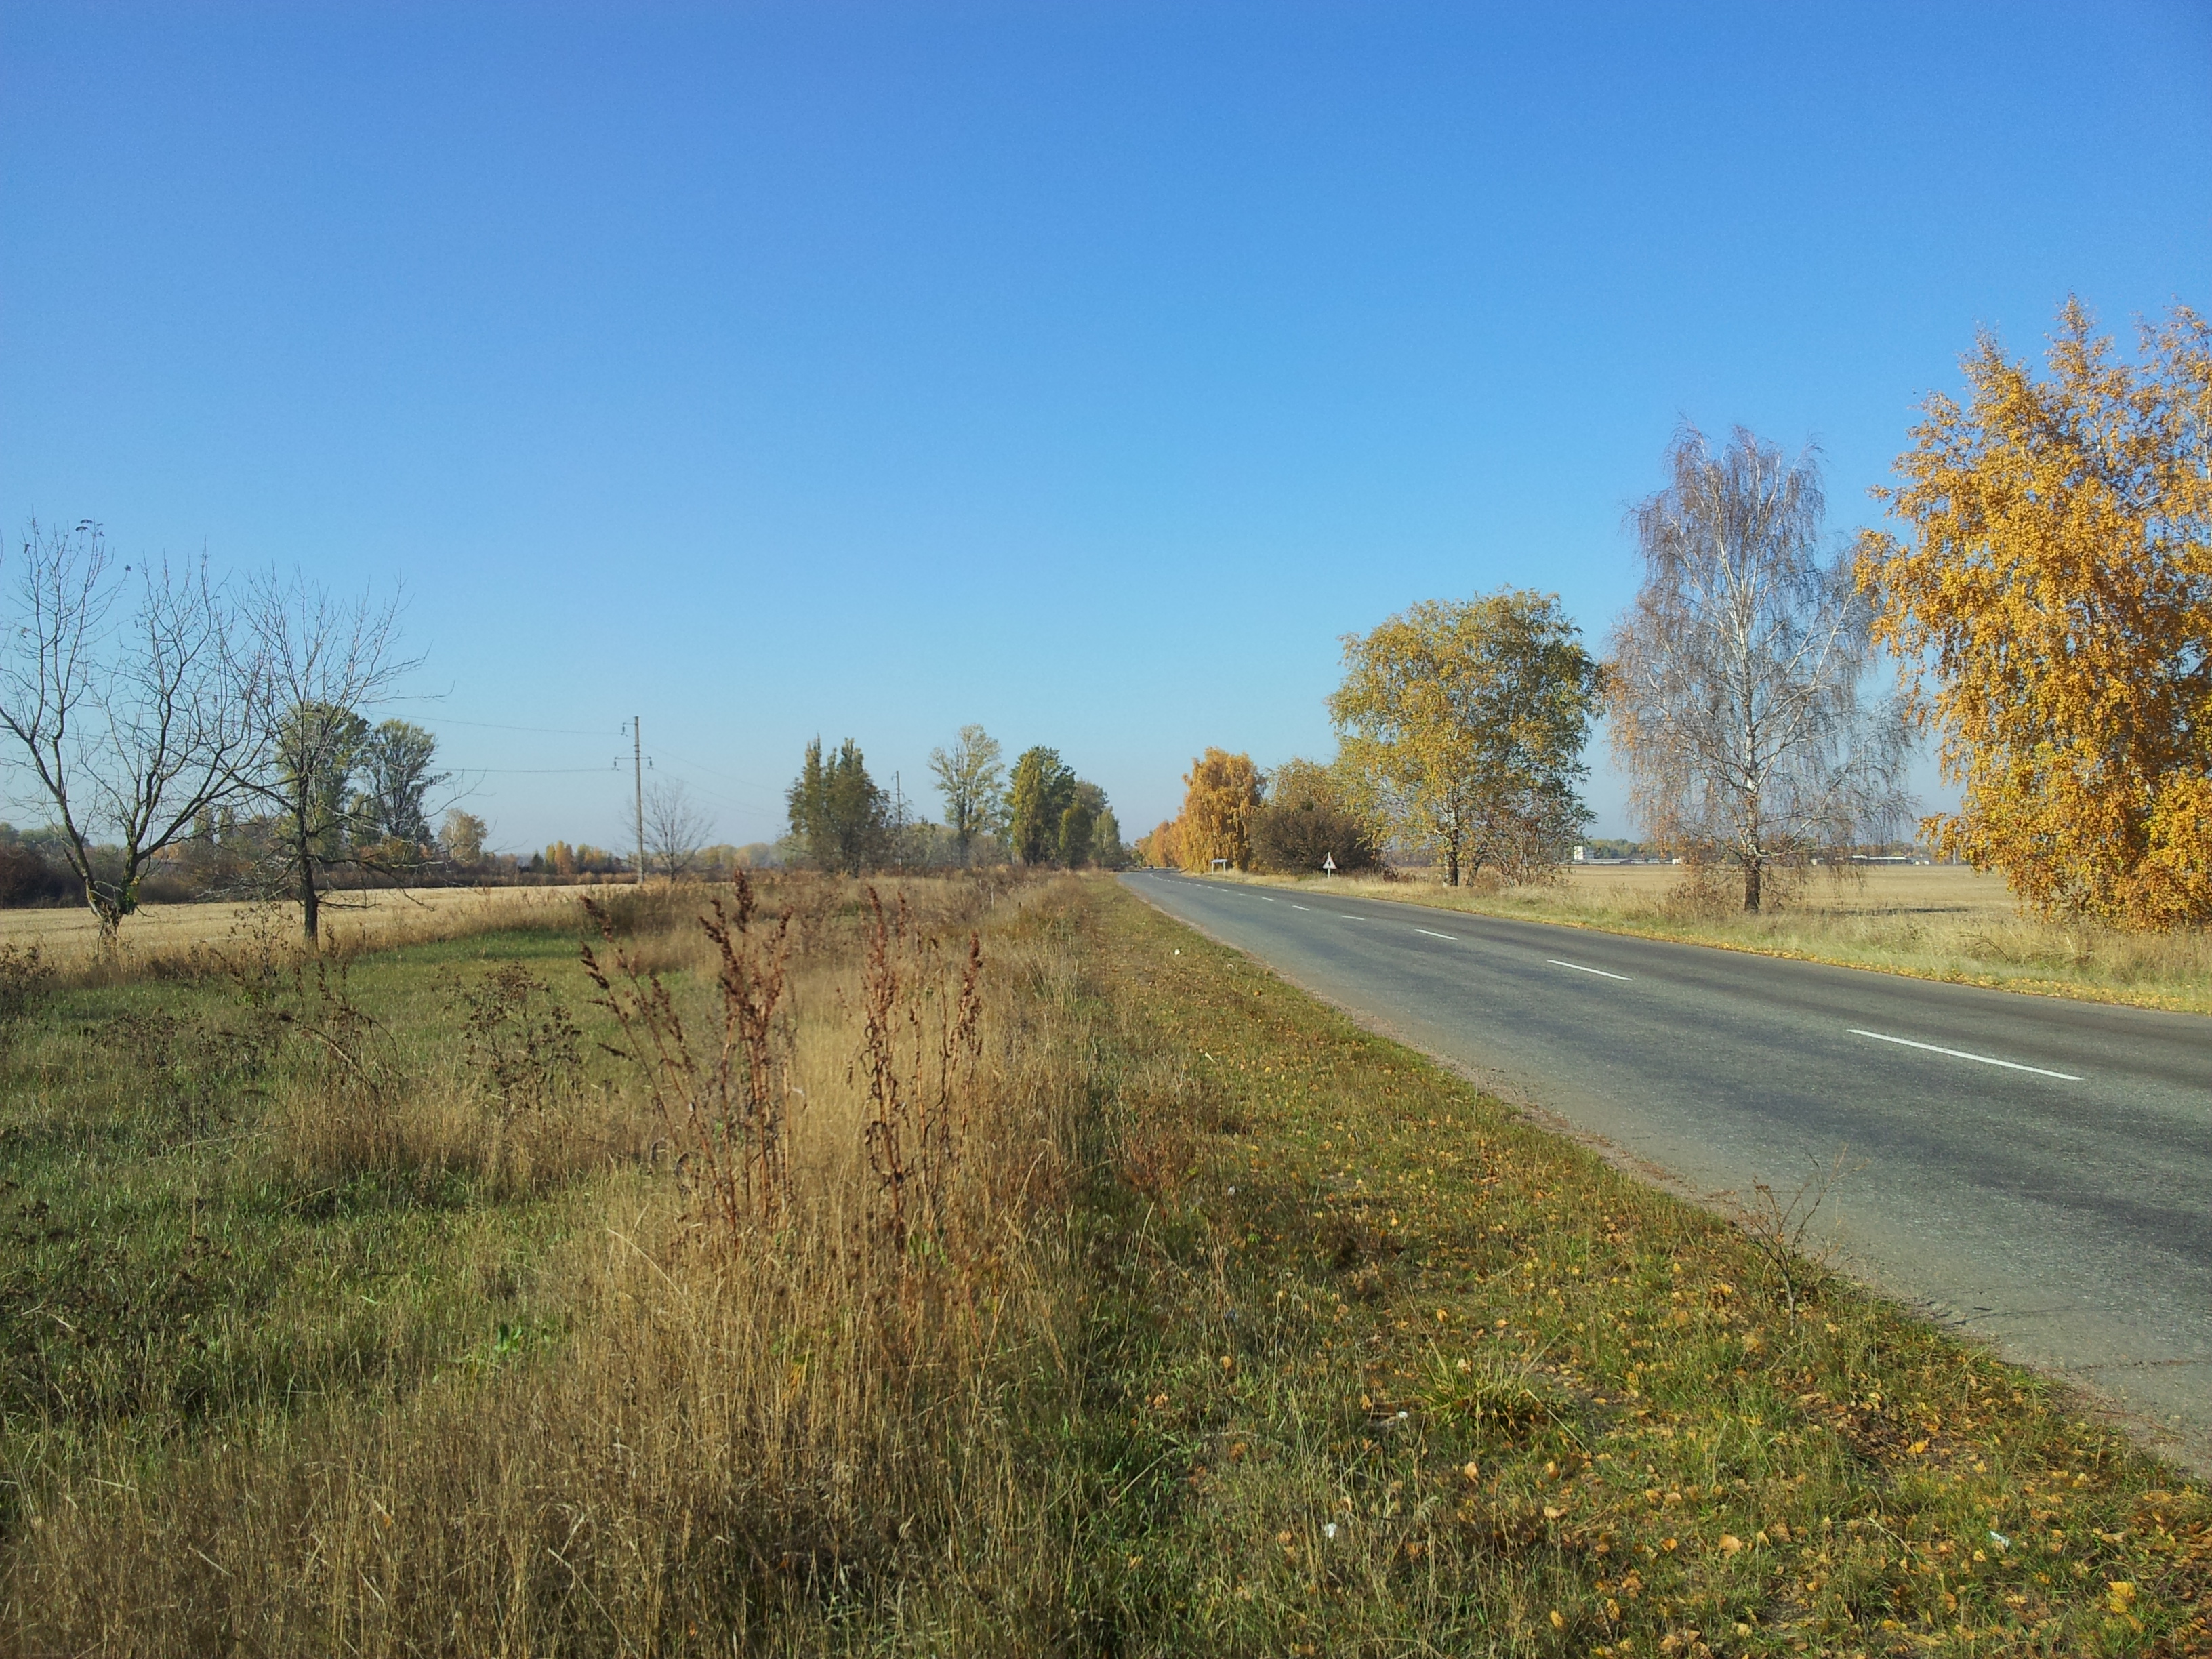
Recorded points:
(1407, 1375)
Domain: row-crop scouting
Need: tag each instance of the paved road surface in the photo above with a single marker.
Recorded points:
(2035, 1169)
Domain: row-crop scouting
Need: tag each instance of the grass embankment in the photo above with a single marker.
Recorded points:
(1546, 1409)
(1930, 921)
(1195, 1321)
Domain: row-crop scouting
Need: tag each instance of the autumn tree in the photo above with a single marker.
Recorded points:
(838, 813)
(128, 703)
(973, 784)
(461, 836)
(1306, 823)
(1160, 848)
(1222, 792)
(1735, 698)
(1037, 800)
(1462, 727)
(2051, 605)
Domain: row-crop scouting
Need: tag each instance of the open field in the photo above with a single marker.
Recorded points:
(1935, 921)
(378, 1312)
(165, 933)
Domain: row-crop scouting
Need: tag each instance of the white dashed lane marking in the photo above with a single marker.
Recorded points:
(1960, 1054)
(1579, 969)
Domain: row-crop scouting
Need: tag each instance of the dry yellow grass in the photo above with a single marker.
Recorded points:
(69, 937)
(707, 1434)
(1931, 922)
(1952, 892)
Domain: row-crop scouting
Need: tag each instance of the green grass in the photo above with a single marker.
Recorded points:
(1547, 1410)
(159, 1271)
(1324, 1352)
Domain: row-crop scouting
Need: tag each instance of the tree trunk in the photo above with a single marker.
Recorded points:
(1751, 885)
(310, 903)
(108, 916)
(1451, 862)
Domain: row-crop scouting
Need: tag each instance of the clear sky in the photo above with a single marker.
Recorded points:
(1082, 369)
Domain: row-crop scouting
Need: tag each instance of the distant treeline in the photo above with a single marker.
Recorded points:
(1040, 814)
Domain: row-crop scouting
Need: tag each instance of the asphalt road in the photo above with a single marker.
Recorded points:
(2037, 1172)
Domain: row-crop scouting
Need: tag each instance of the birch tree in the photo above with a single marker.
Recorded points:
(1735, 688)
(2051, 605)
(1222, 793)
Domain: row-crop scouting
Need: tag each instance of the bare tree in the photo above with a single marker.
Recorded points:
(1735, 689)
(676, 827)
(134, 729)
(320, 661)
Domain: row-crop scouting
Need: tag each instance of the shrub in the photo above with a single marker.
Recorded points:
(1292, 838)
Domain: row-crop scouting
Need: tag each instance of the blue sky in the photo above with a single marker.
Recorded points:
(1084, 370)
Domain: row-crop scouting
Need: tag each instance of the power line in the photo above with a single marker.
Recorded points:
(551, 731)
(726, 777)
(700, 790)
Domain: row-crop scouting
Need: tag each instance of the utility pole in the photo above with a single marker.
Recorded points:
(637, 764)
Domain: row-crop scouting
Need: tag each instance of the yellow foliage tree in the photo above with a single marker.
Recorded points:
(1161, 849)
(1222, 792)
(2051, 603)
(1463, 723)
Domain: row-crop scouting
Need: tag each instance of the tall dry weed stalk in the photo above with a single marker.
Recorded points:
(920, 1040)
(725, 1110)
(341, 1112)
(25, 977)
(781, 1404)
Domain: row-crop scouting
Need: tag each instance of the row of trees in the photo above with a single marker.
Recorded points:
(2048, 606)
(1459, 727)
(165, 717)
(1298, 818)
(1039, 814)
(2046, 600)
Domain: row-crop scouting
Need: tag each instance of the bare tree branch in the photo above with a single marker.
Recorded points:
(134, 729)
(320, 661)
(676, 827)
